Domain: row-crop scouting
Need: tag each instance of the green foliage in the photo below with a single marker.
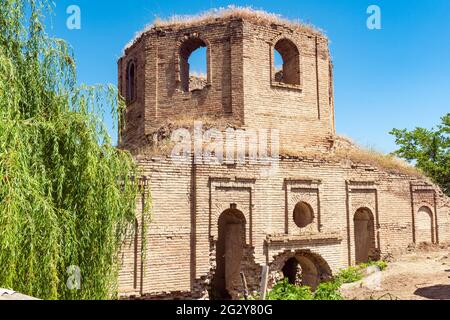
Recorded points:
(349, 275)
(328, 291)
(356, 273)
(283, 290)
(381, 265)
(429, 150)
(66, 193)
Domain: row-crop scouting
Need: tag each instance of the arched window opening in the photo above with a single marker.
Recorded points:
(193, 65)
(303, 214)
(286, 62)
(131, 82)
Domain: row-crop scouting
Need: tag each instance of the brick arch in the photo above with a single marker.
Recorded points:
(287, 37)
(425, 203)
(296, 198)
(369, 205)
(193, 42)
(306, 258)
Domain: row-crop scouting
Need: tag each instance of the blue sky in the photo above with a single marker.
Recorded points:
(398, 76)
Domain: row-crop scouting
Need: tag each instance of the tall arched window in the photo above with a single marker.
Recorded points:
(286, 62)
(131, 82)
(193, 64)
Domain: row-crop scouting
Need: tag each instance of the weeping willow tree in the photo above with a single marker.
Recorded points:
(67, 196)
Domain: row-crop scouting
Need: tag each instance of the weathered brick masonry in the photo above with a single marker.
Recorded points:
(306, 220)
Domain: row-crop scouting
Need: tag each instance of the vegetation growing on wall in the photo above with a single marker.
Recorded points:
(328, 290)
(66, 193)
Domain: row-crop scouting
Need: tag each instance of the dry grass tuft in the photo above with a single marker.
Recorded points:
(197, 74)
(247, 13)
(346, 150)
(379, 160)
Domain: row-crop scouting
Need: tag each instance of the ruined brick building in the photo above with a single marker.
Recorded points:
(320, 211)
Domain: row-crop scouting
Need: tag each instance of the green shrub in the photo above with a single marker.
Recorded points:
(349, 275)
(379, 264)
(328, 291)
(283, 290)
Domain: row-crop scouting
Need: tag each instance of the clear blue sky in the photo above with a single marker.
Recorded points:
(395, 77)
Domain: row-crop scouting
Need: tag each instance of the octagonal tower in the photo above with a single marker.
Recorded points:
(242, 83)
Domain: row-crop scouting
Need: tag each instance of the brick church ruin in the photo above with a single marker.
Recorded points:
(327, 205)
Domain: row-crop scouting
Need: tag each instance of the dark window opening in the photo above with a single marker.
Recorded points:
(131, 82)
(303, 214)
(292, 271)
(286, 62)
(193, 65)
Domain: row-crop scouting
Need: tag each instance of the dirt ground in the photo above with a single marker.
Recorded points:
(421, 274)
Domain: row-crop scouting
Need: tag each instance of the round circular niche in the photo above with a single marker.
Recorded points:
(303, 214)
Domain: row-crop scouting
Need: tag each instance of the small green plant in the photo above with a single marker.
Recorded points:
(356, 273)
(379, 264)
(349, 275)
(328, 291)
(283, 290)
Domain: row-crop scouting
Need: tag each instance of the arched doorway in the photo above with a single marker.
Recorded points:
(229, 251)
(364, 235)
(424, 225)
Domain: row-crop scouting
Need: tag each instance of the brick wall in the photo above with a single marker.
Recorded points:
(188, 200)
(240, 82)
